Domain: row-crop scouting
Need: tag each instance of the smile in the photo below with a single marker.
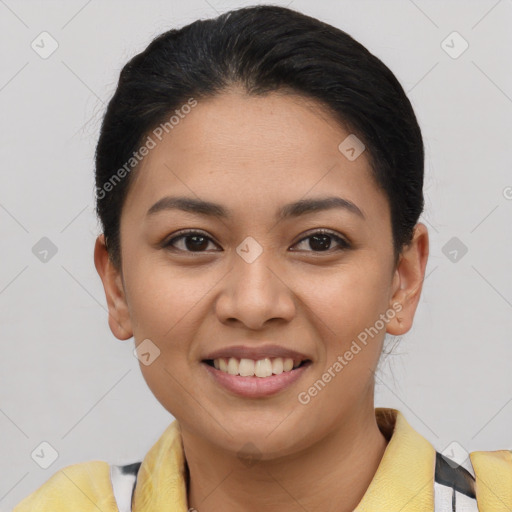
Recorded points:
(249, 378)
(261, 368)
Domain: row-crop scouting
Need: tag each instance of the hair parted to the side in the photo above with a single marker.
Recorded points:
(264, 48)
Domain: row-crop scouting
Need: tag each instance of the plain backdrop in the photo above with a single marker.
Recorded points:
(67, 381)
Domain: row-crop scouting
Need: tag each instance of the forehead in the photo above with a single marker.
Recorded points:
(254, 152)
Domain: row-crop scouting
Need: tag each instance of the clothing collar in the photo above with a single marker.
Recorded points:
(404, 479)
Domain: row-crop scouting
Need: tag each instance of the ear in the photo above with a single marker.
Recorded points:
(118, 312)
(408, 281)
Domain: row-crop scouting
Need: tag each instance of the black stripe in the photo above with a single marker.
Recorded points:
(458, 478)
(130, 469)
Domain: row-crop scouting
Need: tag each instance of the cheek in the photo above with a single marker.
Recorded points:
(348, 299)
(160, 296)
(345, 305)
(165, 307)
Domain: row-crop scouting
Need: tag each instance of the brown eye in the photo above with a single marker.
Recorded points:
(196, 241)
(193, 241)
(321, 241)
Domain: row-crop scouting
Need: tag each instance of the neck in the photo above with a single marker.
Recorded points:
(339, 467)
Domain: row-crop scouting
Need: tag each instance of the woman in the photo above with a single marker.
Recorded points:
(259, 183)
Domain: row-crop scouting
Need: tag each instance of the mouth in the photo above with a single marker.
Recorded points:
(255, 379)
(260, 368)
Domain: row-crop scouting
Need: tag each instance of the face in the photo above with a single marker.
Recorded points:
(272, 277)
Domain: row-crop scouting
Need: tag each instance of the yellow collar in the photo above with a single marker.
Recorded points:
(404, 479)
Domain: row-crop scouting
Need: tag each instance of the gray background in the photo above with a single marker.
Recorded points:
(67, 381)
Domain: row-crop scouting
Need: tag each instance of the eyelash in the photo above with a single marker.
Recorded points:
(344, 245)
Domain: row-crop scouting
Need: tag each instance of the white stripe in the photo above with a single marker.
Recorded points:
(442, 498)
(465, 503)
(122, 484)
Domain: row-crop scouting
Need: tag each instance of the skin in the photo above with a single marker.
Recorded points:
(253, 155)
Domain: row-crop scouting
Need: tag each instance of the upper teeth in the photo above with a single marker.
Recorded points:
(261, 368)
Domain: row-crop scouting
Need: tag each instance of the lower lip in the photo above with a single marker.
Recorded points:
(256, 387)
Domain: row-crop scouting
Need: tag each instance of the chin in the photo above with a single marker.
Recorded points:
(264, 439)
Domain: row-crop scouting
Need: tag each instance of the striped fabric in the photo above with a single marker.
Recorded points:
(454, 485)
(411, 477)
(123, 480)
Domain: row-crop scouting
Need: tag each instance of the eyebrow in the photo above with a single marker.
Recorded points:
(207, 208)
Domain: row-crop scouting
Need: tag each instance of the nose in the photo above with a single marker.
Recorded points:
(255, 292)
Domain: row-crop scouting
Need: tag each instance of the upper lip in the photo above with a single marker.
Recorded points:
(256, 353)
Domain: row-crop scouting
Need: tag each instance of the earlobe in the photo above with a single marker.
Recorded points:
(408, 281)
(118, 313)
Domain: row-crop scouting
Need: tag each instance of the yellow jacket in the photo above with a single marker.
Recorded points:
(411, 477)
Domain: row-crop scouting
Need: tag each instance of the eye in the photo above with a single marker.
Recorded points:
(320, 241)
(196, 241)
(193, 241)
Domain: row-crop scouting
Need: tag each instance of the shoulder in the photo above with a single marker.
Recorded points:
(493, 470)
(85, 486)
